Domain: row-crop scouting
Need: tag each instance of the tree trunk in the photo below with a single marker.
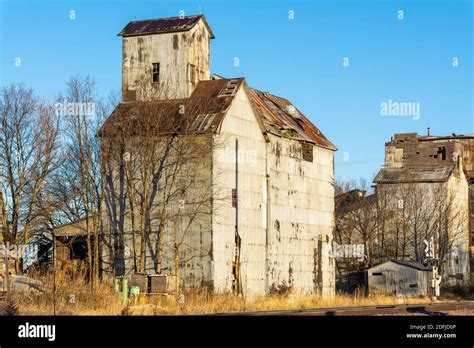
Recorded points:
(176, 267)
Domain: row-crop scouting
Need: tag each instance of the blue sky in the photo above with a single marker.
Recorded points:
(403, 60)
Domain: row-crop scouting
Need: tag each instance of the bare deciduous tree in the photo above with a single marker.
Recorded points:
(29, 153)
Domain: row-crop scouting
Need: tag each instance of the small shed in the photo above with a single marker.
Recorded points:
(397, 277)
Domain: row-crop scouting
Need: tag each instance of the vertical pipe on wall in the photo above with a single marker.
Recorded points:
(267, 217)
(237, 276)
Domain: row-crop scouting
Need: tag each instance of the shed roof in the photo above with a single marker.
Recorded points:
(414, 175)
(412, 264)
(163, 25)
(204, 112)
(73, 228)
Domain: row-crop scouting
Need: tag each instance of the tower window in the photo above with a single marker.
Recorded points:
(156, 72)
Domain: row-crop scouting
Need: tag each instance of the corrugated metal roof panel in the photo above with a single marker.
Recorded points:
(413, 175)
(206, 108)
(163, 25)
(284, 119)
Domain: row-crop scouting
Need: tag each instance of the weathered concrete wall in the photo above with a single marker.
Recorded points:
(301, 217)
(188, 220)
(240, 123)
(468, 164)
(411, 153)
(183, 59)
(285, 225)
(426, 152)
(459, 259)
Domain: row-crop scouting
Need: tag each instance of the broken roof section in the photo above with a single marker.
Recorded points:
(280, 117)
(283, 119)
(414, 175)
(163, 25)
(205, 110)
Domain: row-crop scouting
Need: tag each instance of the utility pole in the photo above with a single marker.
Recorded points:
(7, 275)
(436, 280)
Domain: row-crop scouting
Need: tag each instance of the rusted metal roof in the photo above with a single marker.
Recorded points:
(414, 175)
(201, 113)
(282, 118)
(163, 25)
(204, 111)
(184, 116)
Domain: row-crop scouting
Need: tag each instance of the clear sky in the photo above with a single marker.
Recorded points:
(294, 49)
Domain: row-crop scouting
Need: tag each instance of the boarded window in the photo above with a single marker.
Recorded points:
(156, 72)
(398, 155)
(234, 198)
(307, 152)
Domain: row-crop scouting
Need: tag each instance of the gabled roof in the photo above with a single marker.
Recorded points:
(414, 175)
(163, 25)
(204, 112)
(412, 264)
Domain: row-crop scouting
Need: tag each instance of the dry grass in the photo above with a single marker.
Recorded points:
(74, 296)
(201, 303)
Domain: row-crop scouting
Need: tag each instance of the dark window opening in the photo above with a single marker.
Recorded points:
(413, 286)
(441, 154)
(156, 72)
(307, 152)
(377, 273)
